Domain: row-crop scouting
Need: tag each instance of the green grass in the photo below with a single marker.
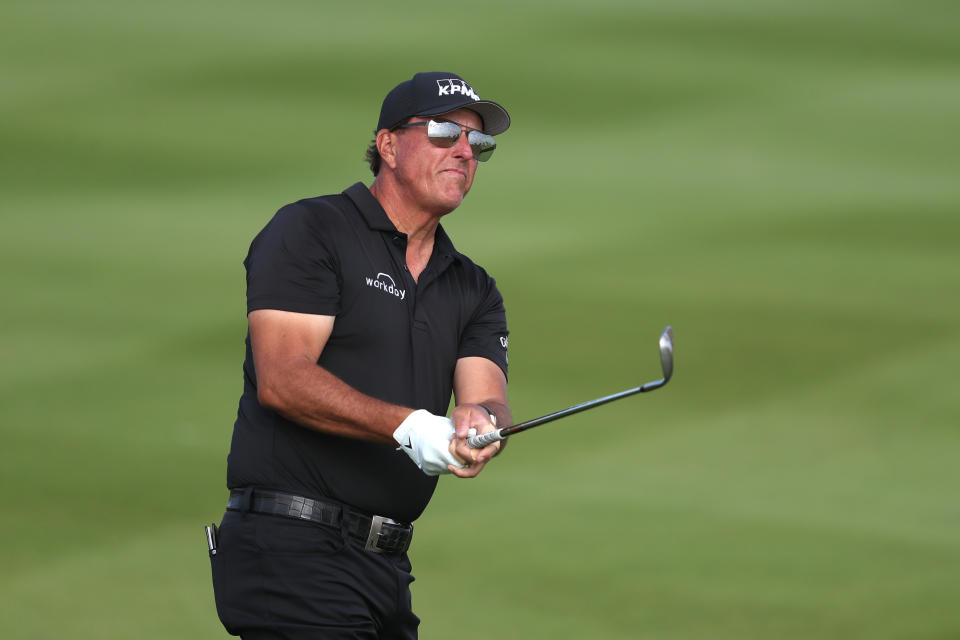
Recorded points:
(776, 180)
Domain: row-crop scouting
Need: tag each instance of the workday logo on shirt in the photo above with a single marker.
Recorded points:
(385, 283)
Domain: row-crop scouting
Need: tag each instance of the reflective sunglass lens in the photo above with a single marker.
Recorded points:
(443, 134)
(482, 145)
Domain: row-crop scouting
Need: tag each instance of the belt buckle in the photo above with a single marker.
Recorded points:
(376, 530)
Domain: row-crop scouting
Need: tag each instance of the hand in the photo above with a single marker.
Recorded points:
(465, 418)
(427, 439)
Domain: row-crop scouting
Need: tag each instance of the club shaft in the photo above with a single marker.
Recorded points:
(550, 417)
(482, 440)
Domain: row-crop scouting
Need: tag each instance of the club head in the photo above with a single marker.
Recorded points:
(666, 362)
(666, 353)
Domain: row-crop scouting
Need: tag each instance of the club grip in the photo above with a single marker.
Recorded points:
(482, 440)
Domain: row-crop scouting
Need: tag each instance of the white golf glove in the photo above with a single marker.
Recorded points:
(426, 439)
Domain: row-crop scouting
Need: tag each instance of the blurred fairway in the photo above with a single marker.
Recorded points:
(777, 180)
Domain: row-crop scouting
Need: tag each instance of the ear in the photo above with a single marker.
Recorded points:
(387, 146)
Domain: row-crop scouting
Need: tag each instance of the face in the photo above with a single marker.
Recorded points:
(438, 179)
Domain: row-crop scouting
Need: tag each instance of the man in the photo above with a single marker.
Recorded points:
(363, 319)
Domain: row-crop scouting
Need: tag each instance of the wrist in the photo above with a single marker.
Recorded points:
(401, 433)
(493, 415)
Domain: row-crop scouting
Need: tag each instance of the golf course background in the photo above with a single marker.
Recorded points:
(776, 180)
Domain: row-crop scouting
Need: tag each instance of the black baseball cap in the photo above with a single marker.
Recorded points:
(437, 92)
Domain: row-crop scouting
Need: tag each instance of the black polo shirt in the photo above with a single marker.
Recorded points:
(393, 339)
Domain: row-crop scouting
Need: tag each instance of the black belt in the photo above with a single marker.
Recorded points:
(379, 534)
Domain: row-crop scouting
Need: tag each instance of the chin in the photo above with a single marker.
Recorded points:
(450, 200)
(446, 206)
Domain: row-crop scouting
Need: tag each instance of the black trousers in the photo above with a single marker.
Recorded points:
(276, 577)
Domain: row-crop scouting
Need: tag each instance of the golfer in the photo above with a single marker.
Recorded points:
(363, 319)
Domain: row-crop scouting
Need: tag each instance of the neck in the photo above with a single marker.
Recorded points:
(418, 224)
(404, 212)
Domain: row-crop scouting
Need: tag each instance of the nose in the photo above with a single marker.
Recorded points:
(462, 147)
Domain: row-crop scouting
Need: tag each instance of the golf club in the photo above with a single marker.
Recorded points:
(666, 362)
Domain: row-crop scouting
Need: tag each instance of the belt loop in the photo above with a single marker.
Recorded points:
(246, 500)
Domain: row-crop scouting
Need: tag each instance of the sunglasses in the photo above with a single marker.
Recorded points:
(445, 134)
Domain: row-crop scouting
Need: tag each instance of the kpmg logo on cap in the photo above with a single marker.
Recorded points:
(452, 86)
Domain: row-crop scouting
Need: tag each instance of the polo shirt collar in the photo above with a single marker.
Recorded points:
(369, 207)
(377, 219)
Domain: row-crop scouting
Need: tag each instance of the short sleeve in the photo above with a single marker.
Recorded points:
(486, 334)
(291, 265)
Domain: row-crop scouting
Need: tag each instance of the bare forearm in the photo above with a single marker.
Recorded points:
(313, 397)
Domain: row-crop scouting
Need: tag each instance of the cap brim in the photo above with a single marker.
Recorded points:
(496, 120)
